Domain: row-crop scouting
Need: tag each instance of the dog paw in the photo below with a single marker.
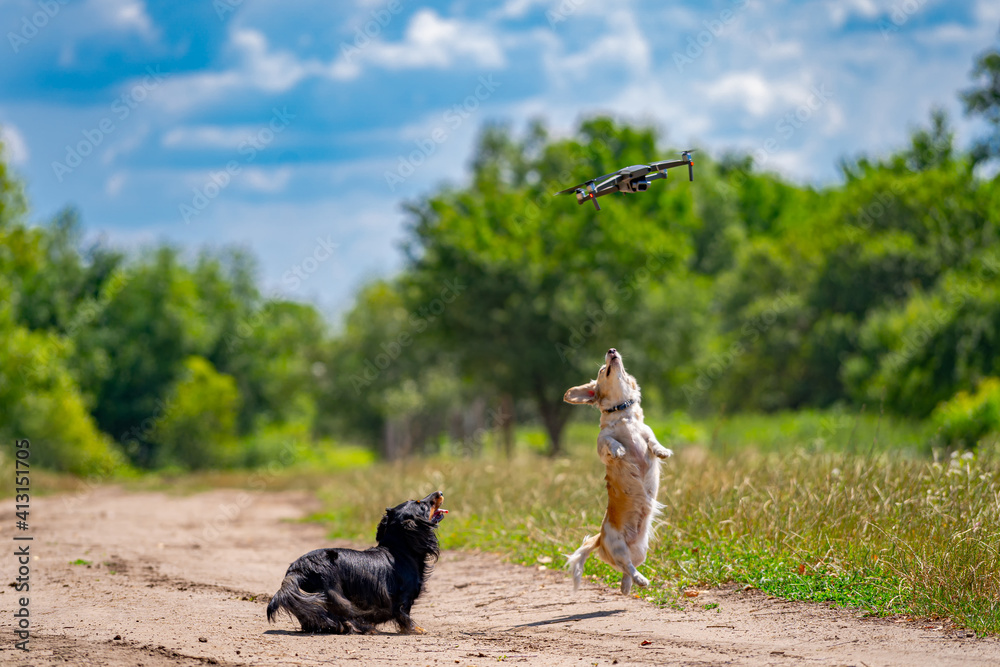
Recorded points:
(416, 630)
(663, 452)
(641, 580)
(618, 452)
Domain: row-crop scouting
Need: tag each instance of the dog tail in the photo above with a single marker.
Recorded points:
(308, 608)
(579, 557)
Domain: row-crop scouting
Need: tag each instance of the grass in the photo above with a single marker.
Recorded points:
(884, 532)
(808, 506)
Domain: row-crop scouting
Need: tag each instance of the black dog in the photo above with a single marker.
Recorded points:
(343, 590)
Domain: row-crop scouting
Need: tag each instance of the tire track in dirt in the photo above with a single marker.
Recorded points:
(184, 580)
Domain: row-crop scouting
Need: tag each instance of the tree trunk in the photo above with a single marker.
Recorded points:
(507, 424)
(554, 416)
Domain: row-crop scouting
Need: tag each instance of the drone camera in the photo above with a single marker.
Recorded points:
(636, 186)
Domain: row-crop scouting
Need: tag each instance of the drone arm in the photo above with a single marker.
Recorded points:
(670, 164)
(608, 186)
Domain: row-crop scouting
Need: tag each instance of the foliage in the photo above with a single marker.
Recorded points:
(197, 426)
(529, 290)
(984, 100)
(965, 419)
(740, 292)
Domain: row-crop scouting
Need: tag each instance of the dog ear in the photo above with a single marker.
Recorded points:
(584, 394)
(380, 531)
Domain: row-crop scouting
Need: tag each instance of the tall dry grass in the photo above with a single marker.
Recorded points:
(880, 532)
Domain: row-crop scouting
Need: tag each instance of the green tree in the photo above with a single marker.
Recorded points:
(197, 427)
(529, 292)
(983, 100)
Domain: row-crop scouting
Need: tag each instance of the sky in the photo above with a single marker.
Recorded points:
(298, 129)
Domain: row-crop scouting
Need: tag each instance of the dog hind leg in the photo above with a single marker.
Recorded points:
(618, 550)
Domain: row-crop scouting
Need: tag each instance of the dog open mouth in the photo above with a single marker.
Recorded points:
(437, 514)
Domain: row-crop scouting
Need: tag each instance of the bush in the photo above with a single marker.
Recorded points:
(964, 419)
(42, 402)
(198, 427)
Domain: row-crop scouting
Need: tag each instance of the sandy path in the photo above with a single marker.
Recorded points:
(183, 581)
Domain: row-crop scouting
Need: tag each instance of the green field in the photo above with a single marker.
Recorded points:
(878, 528)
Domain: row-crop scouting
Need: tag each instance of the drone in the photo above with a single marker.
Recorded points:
(628, 180)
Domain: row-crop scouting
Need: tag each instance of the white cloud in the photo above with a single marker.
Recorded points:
(988, 12)
(270, 181)
(257, 68)
(114, 184)
(947, 34)
(515, 9)
(623, 45)
(14, 144)
(430, 42)
(126, 142)
(434, 41)
(125, 15)
(751, 91)
(840, 11)
(207, 137)
(273, 72)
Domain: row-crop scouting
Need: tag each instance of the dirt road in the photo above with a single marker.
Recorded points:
(184, 581)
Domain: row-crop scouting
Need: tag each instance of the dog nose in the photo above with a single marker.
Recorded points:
(612, 351)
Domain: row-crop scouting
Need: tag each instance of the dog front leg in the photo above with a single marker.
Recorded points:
(609, 449)
(405, 623)
(658, 450)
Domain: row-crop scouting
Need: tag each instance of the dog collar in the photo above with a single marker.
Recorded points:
(621, 406)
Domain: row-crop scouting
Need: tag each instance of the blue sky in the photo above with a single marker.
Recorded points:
(278, 125)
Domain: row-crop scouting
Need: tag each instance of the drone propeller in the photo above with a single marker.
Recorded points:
(687, 158)
(593, 196)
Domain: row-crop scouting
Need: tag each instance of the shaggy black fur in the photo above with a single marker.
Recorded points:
(343, 590)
